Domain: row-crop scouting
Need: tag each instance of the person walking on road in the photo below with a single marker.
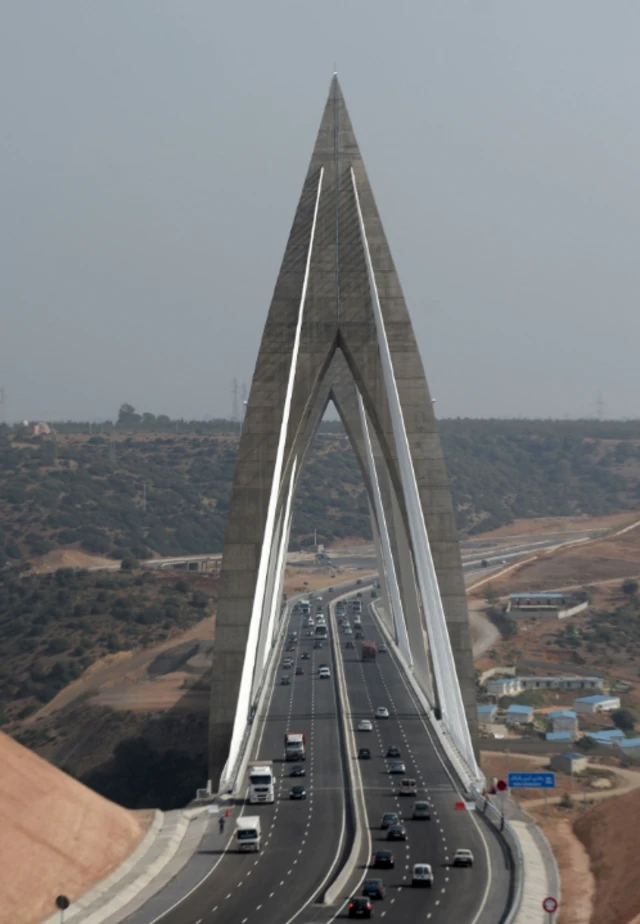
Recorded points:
(221, 824)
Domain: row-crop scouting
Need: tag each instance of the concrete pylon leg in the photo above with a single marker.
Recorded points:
(337, 308)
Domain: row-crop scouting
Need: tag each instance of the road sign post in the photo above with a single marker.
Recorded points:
(550, 905)
(501, 786)
(532, 781)
(62, 902)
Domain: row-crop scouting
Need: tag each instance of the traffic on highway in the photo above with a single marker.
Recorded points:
(420, 859)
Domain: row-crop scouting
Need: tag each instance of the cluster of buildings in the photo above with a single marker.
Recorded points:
(511, 686)
(564, 723)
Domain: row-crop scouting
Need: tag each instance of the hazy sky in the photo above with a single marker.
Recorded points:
(152, 154)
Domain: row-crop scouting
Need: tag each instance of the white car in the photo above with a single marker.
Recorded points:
(324, 673)
(382, 712)
(365, 725)
(463, 857)
(422, 875)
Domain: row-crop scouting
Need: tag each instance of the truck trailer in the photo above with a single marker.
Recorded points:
(295, 746)
(369, 651)
(248, 833)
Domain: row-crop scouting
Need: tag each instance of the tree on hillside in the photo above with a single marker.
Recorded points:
(624, 719)
(127, 416)
(630, 588)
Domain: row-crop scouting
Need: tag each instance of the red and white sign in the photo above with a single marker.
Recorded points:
(460, 806)
(501, 786)
(550, 904)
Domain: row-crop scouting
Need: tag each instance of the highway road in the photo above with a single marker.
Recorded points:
(301, 838)
(463, 895)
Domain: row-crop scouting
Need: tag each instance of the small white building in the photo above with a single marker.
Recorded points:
(590, 705)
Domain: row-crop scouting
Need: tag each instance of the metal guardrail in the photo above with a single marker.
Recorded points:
(487, 809)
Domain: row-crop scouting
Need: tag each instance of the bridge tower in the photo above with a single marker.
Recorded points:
(338, 329)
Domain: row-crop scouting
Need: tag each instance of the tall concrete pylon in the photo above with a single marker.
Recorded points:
(337, 312)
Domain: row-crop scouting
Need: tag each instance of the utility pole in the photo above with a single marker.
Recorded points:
(244, 399)
(234, 400)
(600, 407)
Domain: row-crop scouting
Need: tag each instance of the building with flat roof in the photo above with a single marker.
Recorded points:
(554, 605)
(511, 686)
(629, 746)
(519, 715)
(487, 713)
(569, 763)
(564, 720)
(589, 705)
(607, 736)
(559, 736)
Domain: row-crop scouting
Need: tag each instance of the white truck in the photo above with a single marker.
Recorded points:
(261, 782)
(295, 746)
(248, 833)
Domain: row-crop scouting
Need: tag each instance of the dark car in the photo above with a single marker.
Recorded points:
(393, 751)
(291, 647)
(298, 792)
(388, 819)
(384, 859)
(360, 907)
(397, 766)
(299, 671)
(285, 681)
(305, 656)
(298, 770)
(317, 644)
(397, 833)
(359, 634)
(364, 754)
(373, 888)
(349, 645)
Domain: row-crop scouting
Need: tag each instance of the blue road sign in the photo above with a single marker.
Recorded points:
(532, 781)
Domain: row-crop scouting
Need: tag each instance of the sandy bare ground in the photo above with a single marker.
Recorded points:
(529, 529)
(157, 695)
(577, 881)
(609, 833)
(56, 836)
(70, 558)
(124, 668)
(299, 580)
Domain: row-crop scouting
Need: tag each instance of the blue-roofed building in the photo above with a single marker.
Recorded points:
(564, 720)
(589, 705)
(487, 713)
(519, 715)
(608, 736)
(630, 746)
(559, 736)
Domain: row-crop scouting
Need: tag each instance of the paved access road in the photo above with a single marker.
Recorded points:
(463, 895)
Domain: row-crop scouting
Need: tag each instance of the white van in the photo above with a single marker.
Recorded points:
(422, 875)
(248, 833)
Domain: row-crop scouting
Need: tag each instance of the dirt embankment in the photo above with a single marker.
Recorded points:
(57, 835)
(609, 833)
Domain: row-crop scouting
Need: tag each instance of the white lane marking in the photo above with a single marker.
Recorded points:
(228, 896)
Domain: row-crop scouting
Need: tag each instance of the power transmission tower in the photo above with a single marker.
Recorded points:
(234, 400)
(600, 406)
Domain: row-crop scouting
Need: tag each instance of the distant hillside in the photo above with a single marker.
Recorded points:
(154, 489)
